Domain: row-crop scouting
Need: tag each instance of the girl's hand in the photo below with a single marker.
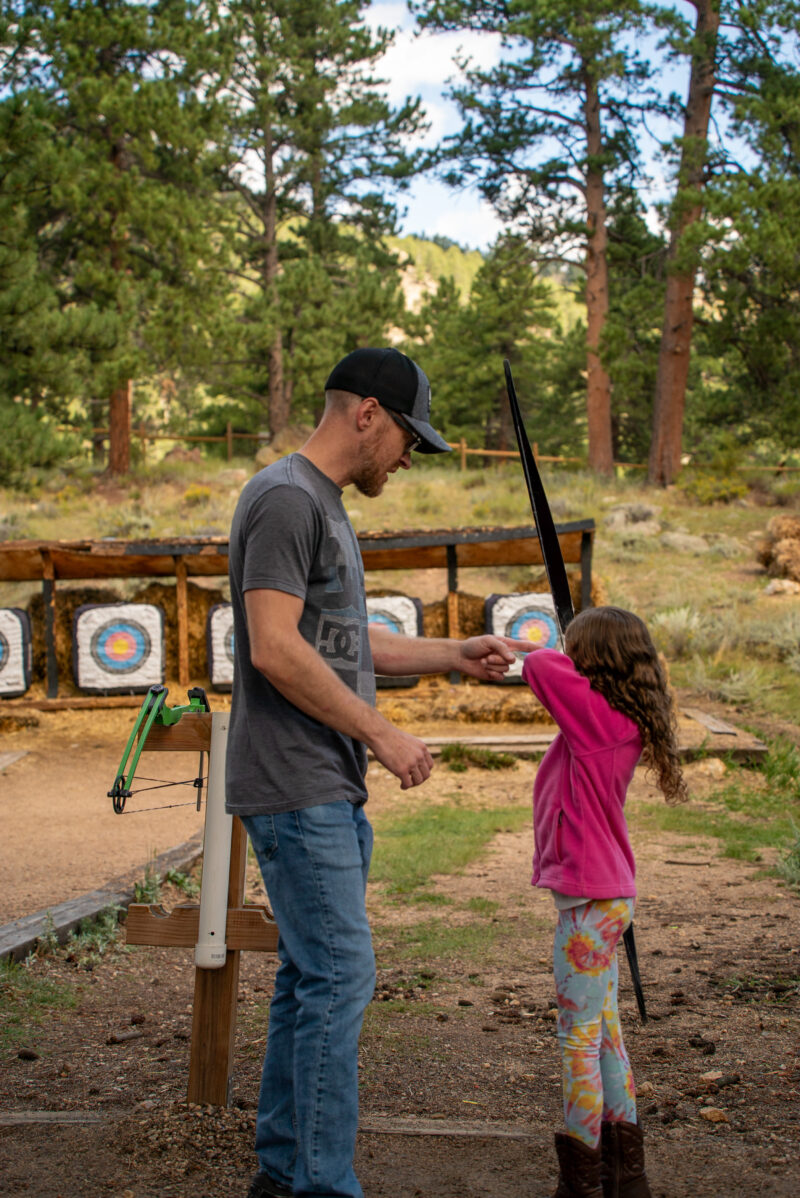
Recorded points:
(489, 657)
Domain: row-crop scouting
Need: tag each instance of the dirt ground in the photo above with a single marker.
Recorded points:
(459, 1062)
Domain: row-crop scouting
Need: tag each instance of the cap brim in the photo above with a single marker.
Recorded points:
(431, 441)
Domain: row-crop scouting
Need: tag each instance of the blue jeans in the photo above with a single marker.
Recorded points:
(314, 863)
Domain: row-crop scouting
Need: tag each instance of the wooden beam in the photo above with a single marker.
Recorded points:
(50, 626)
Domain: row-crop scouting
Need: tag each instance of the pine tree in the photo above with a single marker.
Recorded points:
(546, 136)
(310, 139)
(509, 314)
(117, 198)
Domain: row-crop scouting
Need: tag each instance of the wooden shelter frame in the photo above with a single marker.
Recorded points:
(183, 558)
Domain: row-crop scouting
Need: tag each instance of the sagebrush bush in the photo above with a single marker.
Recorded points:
(706, 487)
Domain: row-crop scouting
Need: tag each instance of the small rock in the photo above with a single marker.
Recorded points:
(714, 1114)
(28, 1054)
(645, 1089)
(782, 586)
(466, 1002)
(684, 542)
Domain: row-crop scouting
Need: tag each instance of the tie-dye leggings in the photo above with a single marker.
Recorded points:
(596, 1074)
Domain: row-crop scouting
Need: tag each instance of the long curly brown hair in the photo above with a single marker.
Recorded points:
(613, 649)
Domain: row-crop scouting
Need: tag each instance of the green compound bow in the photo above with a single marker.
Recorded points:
(154, 711)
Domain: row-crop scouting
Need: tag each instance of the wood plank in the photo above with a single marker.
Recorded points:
(709, 721)
(74, 703)
(250, 928)
(192, 732)
(52, 1118)
(455, 1128)
(415, 557)
(7, 759)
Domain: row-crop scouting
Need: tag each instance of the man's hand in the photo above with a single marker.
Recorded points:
(489, 657)
(403, 755)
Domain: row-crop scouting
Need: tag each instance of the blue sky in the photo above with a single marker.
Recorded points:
(420, 66)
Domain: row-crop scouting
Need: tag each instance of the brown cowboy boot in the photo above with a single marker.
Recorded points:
(579, 1168)
(622, 1168)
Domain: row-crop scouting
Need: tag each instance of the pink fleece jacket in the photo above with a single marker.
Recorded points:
(581, 837)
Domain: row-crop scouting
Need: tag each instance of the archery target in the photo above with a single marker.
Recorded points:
(400, 614)
(15, 652)
(530, 617)
(118, 647)
(219, 646)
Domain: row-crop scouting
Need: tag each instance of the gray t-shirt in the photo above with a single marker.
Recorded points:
(291, 533)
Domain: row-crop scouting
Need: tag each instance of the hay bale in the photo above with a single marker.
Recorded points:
(779, 552)
(200, 599)
(786, 560)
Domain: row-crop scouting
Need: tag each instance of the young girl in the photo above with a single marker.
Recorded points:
(608, 695)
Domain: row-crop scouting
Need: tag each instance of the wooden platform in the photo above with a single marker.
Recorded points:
(699, 735)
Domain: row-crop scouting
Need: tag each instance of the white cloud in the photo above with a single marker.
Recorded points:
(460, 215)
(420, 65)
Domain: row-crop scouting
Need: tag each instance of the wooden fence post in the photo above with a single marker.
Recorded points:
(182, 600)
(229, 439)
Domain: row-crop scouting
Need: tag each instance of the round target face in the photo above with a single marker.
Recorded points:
(387, 620)
(228, 644)
(538, 627)
(4, 652)
(121, 646)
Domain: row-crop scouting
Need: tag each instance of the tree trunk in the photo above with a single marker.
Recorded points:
(687, 208)
(598, 384)
(119, 429)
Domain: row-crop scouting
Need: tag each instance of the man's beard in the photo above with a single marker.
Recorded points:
(370, 481)
(368, 477)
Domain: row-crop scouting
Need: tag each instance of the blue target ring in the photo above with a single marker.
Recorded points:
(229, 644)
(386, 620)
(4, 652)
(121, 646)
(536, 626)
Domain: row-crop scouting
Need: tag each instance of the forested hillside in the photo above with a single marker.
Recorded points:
(199, 207)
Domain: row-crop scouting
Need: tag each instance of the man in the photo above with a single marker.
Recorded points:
(303, 715)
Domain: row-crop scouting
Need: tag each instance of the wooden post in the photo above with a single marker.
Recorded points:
(229, 438)
(50, 630)
(251, 927)
(215, 992)
(452, 602)
(182, 595)
(463, 448)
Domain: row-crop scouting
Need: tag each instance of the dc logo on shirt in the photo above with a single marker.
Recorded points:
(338, 640)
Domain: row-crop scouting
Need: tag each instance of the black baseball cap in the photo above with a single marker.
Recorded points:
(397, 383)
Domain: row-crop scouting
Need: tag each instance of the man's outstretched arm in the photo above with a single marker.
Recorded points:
(486, 657)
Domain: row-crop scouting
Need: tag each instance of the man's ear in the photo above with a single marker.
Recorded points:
(367, 413)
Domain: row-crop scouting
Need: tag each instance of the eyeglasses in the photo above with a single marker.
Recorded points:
(416, 439)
